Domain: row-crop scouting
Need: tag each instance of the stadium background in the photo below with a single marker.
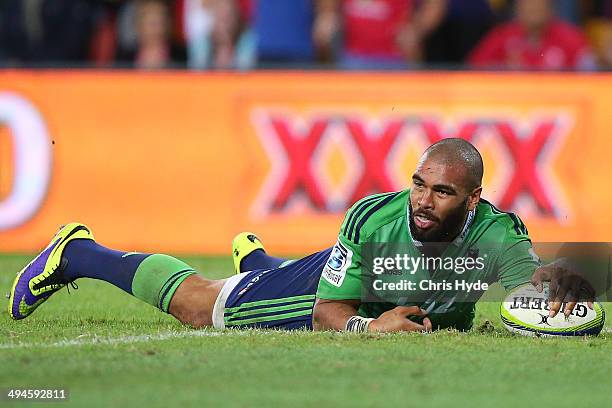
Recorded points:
(181, 160)
(172, 125)
(157, 158)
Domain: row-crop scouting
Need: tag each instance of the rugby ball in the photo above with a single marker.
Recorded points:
(525, 311)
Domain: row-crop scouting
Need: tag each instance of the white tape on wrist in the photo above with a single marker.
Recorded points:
(357, 324)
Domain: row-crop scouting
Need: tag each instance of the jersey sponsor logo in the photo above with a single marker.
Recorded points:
(542, 303)
(304, 151)
(24, 177)
(337, 264)
(544, 319)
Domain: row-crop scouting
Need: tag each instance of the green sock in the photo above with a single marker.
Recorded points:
(157, 278)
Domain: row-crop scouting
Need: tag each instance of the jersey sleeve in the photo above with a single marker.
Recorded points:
(517, 262)
(341, 276)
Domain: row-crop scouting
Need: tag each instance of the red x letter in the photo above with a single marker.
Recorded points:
(299, 150)
(525, 152)
(374, 151)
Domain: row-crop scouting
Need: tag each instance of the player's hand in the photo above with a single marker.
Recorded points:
(396, 319)
(566, 283)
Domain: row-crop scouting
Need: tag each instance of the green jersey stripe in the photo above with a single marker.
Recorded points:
(270, 302)
(362, 213)
(519, 227)
(356, 207)
(270, 318)
(523, 226)
(356, 213)
(516, 224)
(494, 209)
(372, 210)
(293, 306)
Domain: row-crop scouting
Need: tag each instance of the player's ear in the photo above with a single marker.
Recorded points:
(474, 198)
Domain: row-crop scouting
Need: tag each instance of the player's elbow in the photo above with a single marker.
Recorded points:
(316, 322)
(330, 314)
(318, 318)
(324, 315)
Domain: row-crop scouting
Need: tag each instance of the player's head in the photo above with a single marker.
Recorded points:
(446, 185)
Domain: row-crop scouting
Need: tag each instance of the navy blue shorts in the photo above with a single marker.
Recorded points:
(280, 298)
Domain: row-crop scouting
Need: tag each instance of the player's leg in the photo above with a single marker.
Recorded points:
(194, 299)
(279, 298)
(249, 254)
(153, 278)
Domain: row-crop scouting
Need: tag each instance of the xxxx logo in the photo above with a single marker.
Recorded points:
(294, 146)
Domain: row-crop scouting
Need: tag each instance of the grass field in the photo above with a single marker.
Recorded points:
(108, 349)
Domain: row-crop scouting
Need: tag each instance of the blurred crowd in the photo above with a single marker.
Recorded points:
(345, 34)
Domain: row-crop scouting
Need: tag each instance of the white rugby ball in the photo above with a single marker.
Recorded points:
(525, 311)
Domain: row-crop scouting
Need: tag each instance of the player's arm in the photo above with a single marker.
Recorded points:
(567, 279)
(339, 290)
(519, 264)
(339, 294)
(333, 314)
(342, 315)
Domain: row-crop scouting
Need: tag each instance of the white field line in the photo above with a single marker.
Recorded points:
(86, 340)
(144, 338)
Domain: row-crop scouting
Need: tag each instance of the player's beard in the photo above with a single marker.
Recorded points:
(446, 230)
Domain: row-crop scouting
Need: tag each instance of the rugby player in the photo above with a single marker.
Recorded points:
(324, 290)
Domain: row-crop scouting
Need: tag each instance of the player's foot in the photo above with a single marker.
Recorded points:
(43, 276)
(242, 245)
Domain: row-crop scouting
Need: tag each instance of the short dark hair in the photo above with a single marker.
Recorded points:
(456, 151)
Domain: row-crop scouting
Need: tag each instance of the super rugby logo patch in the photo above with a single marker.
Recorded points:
(337, 264)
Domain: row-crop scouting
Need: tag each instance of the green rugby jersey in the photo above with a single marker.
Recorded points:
(378, 225)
